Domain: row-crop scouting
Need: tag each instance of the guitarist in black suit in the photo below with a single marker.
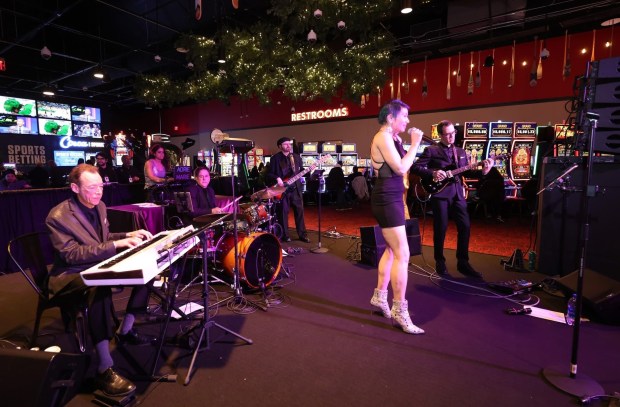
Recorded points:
(283, 165)
(435, 163)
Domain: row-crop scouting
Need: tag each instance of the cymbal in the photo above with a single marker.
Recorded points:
(268, 193)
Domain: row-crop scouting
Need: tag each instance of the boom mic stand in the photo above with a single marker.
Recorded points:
(237, 299)
(582, 385)
(319, 249)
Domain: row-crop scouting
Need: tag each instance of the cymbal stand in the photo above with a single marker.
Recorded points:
(272, 227)
(206, 322)
(237, 299)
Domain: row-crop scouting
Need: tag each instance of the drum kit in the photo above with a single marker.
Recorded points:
(258, 249)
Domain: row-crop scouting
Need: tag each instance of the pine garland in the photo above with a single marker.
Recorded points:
(275, 56)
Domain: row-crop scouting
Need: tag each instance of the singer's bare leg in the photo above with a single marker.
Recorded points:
(394, 262)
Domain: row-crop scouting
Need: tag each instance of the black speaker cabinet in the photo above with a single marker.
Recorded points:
(601, 295)
(560, 218)
(37, 378)
(373, 244)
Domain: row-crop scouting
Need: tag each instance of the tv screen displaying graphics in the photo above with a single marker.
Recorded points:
(18, 124)
(53, 110)
(86, 114)
(87, 130)
(66, 158)
(54, 127)
(19, 106)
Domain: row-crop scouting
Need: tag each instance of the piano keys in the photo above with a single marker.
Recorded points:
(140, 264)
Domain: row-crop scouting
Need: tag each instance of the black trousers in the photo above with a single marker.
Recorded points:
(101, 321)
(291, 199)
(443, 209)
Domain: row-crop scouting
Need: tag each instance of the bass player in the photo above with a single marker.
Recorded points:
(283, 165)
(435, 163)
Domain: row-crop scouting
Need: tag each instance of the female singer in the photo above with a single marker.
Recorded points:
(155, 169)
(391, 163)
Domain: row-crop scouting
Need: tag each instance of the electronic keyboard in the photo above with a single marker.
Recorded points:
(140, 264)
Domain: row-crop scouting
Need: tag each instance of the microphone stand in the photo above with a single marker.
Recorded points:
(206, 322)
(237, 299)
(319, 249)
(579, 386)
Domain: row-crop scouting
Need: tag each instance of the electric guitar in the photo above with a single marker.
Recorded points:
(434, 186)
(290, 182)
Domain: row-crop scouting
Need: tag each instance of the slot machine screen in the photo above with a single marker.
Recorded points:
(496, 148)
(308, 160)
(521, 160)
(475, 150)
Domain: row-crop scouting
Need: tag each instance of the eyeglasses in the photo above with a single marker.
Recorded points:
(451, 134)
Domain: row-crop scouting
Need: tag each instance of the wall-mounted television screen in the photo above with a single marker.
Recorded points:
(18, 124)
(87, 130)
(66, 158)
(53, 110)
(54, 127)
(86, 114)
(23, 107)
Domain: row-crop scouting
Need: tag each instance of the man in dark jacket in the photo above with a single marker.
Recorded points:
(284, 165)
(80, 234)
(436, 163)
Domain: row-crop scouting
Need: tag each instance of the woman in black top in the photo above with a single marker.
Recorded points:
(391, 163)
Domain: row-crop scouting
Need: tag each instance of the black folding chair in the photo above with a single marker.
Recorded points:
(32, 253)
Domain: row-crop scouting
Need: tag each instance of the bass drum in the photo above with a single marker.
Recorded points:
(260, 257)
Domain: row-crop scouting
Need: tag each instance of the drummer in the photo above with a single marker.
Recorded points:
(203, 196)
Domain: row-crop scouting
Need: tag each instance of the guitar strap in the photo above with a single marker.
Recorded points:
(292, 160)
(455, 158)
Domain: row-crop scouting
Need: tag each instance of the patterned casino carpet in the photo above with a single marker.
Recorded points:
(488, 236)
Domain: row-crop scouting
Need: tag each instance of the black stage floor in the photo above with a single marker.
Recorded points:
(323, 346)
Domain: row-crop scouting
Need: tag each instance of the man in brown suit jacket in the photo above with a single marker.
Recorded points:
(80, 234)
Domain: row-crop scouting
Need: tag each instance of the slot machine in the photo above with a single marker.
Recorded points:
(332, 150)
(500, 140)
(309, 153)
(475, 144)
(252, 159)
(348, 156)
(522, 153)
(206, 156)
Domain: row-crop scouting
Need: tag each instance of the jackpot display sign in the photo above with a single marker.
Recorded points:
(476, 130)
(501, 129)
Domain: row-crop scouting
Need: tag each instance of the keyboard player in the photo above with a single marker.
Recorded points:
(80, 234)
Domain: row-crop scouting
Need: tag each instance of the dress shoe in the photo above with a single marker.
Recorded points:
(113, 384)
(467, 270)
(441, 269)
(285, 239)
(304, 239)
(134, 338)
